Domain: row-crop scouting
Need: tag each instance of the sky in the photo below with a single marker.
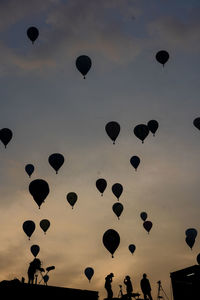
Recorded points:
(51, 109)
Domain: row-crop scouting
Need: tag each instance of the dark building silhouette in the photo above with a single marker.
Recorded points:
(186, 283)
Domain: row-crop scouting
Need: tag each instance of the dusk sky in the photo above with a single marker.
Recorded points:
(51, 109)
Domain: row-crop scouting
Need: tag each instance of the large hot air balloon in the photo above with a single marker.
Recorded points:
(83, 64)
(29, 169)
(112, 130)
(28, 227)
(35, 249)
(89, 272)
(56, 160)
(162, 57)
(198, 258)
(32, 33)
(135, 161)
(153, 126)
(39, 189)
(117, 190)
(72, 198)
(141, 131)
(131, 248)
(111, 240)
(191, 232)
(5, 136)
(196, 123)
(44, 224)
(190, 240)
(143, 216)
(117, 209)
(101, 185)
(147, 225)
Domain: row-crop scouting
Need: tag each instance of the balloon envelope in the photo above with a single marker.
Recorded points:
(111, 240)
(101, 185)
(112, 130)
(147, 225)
(39, 189)
(141, 131)
(191, 232)
(89, 272)
(143, 215)
(196, 123)
(135, 161)
(83, 64)
(56, 160)
(117, 209)
(45, 224)
(72, 198)
(162, 57)
(28, 227)
(5, 136)
(153, 126)
(32, 33)
(131, 248)
(190, 240)
(35, 249)
(29, 169)
(117, 190)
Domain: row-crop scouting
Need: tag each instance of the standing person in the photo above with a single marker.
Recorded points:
(34, 266)
(129, 287)
(146, 287)
(108, 287)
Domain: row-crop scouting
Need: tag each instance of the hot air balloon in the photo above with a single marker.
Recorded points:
(198, 258)
(162, 57)
(117, 209)
(5, 136)
(32, 33)
(45, 224)
(39, 189)
(101, 185)
(196, 123)
(153, 126)
(191, 232)
(141, 131)
(28, 227)
(89, 272)
(56, 160)
(29, 169)
(131, 248)
(83, 64)
(72, 198)
(147, 225)
(190, 240)
(143, 215)
(35, 249)
(111, 240)
(112, 130)
(135, 161)
(117, 190)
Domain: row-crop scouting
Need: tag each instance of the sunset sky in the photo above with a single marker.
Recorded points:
(50, 108)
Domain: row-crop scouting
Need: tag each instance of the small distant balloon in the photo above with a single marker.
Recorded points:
(56, 160)
(35, 249)
(190, 240)
(45, 224)
(112, 130)
(196, 123)
(89, 272)
(32, 33)
(141, 131)
(131, 248)
(147, 225)
(117, 190)
(135, 161)
(143, 216)
(111, 240)
(153, 126)
(5, 136)
(39, 189)
(29, 169)
(72, 198)
(83, 64)
(162, 57)
(198, 258)
(101, 185)
(28, 227)
(117, 209)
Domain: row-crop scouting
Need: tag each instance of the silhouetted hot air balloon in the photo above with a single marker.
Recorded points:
(44, 224)
(131, 248)
(56, 160)
(89, 272)
(32, 33)
(162, 57)
(198, 258)
(141, 131)
(117, 209)
(112, 130)
(72, 198)
(28, 227)
(153, 126)
(5, 136)
(111, 240)
(35, 249)
(101, 185)
(135, 161)
(191, 232)
(83, 64)
(39, 189)
(143, 215)
(190, 240)
(147, 225)
(117, 190)
(29, 169)
(196, 123)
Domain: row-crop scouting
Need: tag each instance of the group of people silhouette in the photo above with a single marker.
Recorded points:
(144, 284)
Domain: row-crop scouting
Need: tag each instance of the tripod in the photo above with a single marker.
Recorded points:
(160, 289)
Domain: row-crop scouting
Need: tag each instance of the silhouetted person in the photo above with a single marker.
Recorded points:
(129, 287)
(34, 266)
(108, 286)
(146, 287)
